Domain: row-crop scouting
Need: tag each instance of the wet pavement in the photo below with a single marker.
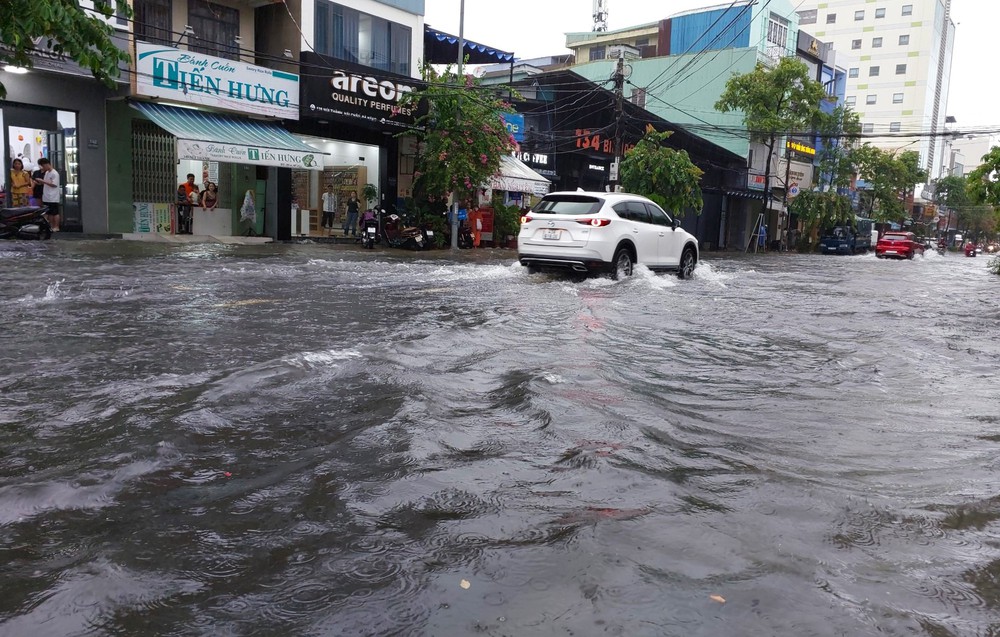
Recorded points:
(317, 440)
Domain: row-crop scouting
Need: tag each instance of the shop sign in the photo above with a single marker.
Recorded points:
(238, 154)
(535, 159)
(151, 217)
(755, 182)
(514, 122)
(356, 93)
(195, 78)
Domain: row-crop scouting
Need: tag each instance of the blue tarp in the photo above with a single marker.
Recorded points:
(442, 48)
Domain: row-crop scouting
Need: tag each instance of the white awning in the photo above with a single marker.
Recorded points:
(515, 176)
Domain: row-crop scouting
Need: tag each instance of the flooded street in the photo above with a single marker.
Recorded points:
(306, 440)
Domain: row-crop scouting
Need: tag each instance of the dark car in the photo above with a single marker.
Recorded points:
(898, 245)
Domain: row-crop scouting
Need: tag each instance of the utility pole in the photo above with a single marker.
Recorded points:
(458, 76)
(619, 111)
(784, 200)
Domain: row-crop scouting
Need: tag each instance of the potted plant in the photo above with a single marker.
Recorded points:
(370, 193)
(506, 225)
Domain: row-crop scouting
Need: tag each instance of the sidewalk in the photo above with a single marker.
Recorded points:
(151, 237)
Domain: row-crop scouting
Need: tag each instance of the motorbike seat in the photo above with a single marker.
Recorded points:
(21, 211)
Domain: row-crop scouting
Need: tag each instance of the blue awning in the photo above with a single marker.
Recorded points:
(213, 137)
(442, 48)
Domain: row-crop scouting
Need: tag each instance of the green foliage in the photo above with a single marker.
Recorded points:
(662, 174)
(890, 178)
(840, 130)
(984, 181)
(370, 193)
(462, 136)
(506, 223)
(64, 28)
(819, 210)
(951, 192)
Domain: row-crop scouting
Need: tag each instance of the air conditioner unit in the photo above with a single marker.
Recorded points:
(616, 51)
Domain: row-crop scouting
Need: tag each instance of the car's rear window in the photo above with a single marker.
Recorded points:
(568, 205)
(895, 237)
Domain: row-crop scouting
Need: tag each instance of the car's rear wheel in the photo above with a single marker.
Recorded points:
(687, 264)
(909, 255)
(534, 269)
(623, 265)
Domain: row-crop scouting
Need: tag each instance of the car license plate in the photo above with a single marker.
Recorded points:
(430, 233)
(551, 234)
(890, 252)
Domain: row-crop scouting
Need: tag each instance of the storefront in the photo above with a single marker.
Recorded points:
(354, 114)
(56, 110)
(246, 161)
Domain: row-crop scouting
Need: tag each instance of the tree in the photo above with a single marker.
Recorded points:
(818, 210)
(662, 174)
(462, 136)
(775, 101)
(889, 179)
(839, 131)
(984, 181)
(64, 28)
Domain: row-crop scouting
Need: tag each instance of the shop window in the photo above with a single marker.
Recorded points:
(897, 98)
(348, 34)
(852, 72)
(152, 20)
(855, 44)
(71, 164)
(215, 29)
(876, 43)
(894, 127)
(904, 40)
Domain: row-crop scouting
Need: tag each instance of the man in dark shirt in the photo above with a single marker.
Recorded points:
(36, 191)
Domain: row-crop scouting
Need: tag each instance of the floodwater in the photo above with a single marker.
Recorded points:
(307, 440)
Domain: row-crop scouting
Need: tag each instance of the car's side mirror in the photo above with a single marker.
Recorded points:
(675, 224)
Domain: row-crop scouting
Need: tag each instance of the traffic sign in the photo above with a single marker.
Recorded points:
(793, 190)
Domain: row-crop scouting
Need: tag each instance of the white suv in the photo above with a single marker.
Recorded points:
(603, 232)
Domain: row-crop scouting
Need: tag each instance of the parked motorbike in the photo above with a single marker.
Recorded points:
(399, 236)
(25, 222)
(369, 233)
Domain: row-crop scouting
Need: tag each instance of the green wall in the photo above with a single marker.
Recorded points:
(119, 149)
(685, 89)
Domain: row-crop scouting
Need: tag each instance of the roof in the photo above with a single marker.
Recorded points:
(442, 48)
(516, 176)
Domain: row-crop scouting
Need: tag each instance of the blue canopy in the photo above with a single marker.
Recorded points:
(442, 48)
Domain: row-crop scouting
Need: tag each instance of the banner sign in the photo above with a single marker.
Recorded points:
(514, 122)
(238, 154)
(151, 217)
(195, 78)
(356, 93)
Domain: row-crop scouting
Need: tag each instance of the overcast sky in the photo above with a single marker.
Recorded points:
(533, 28)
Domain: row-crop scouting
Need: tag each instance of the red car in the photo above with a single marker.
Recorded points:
(898, 245)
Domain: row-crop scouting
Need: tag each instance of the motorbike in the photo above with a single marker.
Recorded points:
(398, 236)
(970, 249)
(942, 247)
(369, 232)
(25, 222)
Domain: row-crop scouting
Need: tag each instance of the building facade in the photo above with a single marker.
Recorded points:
(898, 54)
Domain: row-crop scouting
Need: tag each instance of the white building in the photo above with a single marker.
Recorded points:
(899, 81)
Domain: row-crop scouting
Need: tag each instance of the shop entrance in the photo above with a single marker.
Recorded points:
(30, 133)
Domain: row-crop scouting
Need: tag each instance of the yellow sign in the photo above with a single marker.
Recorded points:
(801, 148)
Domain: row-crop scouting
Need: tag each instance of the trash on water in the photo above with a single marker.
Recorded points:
(465, 584)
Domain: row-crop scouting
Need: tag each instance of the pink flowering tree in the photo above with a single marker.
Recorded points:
(462, 136)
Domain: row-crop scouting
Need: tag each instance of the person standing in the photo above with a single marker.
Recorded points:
(353, 208)
(187, 196)
(36, 189)
(329, 206)
(51, 192)
(20, 184)
(210, 196)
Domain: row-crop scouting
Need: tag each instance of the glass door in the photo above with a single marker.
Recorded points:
(64, 146)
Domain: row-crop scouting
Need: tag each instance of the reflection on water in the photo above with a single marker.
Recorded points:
(301, 440)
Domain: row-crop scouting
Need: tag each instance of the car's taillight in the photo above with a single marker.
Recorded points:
(597, 223)
(525, 219)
